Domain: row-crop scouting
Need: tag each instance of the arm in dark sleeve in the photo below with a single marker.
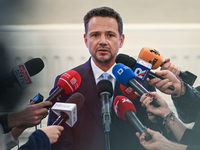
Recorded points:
(37, 141)
(4, 123)
(65, 141)
(190, 137)
(193, 147)
(187, 105)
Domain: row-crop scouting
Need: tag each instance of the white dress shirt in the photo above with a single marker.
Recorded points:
(98, 72)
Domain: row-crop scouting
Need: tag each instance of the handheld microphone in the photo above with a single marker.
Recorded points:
(128, 92)
(130, 62)
(105, 92)
(67, 112)
(125, 76)
(125, 110)
(22, 73)
(156, 59)
(67, 83)
(141, 69)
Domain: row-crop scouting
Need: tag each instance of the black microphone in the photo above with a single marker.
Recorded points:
(125, 109)
(67, 112)
(22, 73)
(105, 92)
(130, 62)
(125, 76)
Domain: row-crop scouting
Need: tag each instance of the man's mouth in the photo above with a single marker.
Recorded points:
(103, 50)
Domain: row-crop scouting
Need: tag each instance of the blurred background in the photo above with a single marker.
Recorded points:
(53, 31)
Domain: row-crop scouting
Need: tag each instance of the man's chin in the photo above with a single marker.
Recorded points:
(103, 60)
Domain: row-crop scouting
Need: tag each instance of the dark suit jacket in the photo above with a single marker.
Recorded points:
(88, 132)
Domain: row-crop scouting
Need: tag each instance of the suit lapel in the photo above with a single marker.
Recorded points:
(88, 86)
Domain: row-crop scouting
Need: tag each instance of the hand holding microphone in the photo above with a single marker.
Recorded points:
(52, 132)
(29, 116)
(156, 59)
(125, 76)
(125, 110)
(163, 85)
(138, 67)
(162, 111)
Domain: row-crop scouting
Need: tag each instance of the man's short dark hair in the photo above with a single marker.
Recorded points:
(103, 12)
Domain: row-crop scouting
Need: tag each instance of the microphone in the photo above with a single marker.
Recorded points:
(67, 83)
(141, 69)
(125, 110)
(131, 62)
(125, 76)
(67, 112)
(22, 73)
(128, 92)
(105, 92)
(156, 59)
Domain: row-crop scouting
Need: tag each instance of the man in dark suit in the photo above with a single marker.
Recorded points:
(103, 37)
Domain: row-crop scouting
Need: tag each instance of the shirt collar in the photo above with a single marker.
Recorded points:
(97, 71)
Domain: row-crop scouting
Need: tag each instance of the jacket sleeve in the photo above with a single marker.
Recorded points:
(4, 123)
(187, 105)
(193, 147)
(190, 137)
(38, 140)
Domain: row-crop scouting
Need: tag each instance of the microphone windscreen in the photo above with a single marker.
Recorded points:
(152, 56)
(123, 73)
(34, 66)
(126, 60)
(78, 99)
(69, 81)
(128, 92)
(104, 86)
(121, 105)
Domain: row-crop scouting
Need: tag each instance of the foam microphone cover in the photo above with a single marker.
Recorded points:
(123, 73)
(125, 59)
(121, 105)
(152, 56)
(128, 92)
(34, 66)
(104, 86)
(78, 99)
(69, 81)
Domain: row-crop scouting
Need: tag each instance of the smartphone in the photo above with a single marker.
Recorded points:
(38, 98)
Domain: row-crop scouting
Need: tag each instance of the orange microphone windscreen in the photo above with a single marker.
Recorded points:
(152, 56)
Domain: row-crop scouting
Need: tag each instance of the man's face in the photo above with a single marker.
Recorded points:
(103, 39)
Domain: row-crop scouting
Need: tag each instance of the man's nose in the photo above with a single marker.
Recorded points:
(103, 40)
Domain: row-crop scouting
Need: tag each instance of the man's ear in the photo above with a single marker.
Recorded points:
(85, 39)
(122, 40)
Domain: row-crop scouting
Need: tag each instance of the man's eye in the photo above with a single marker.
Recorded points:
(94, 35)
(110, 35)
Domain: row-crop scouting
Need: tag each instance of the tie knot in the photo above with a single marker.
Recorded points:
(106, 76)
